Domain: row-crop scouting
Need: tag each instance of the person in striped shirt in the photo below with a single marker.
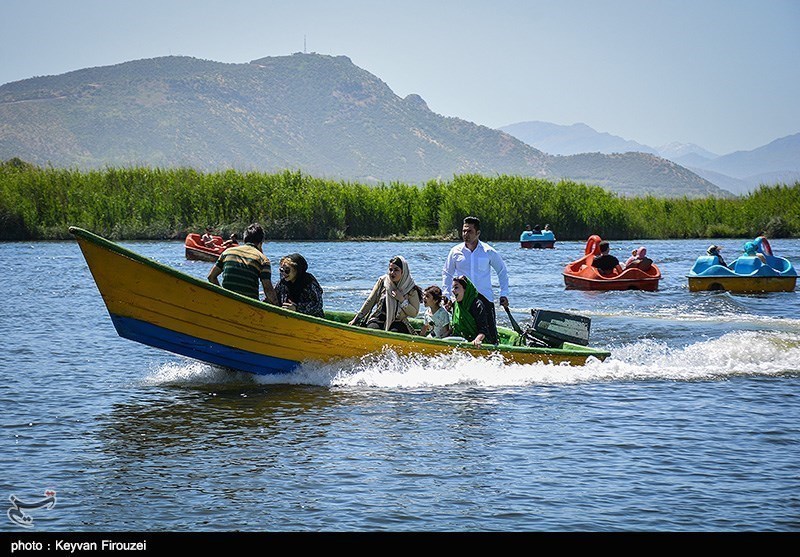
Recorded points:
(244, 265)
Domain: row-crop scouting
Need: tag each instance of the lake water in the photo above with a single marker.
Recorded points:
(692, 424)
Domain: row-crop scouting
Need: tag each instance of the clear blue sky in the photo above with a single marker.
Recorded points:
(724, 74)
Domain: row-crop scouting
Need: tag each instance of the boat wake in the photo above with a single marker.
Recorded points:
(191, 373)
(700, 313)
(735, 354)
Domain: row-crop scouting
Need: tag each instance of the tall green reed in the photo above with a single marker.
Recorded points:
(141, 202)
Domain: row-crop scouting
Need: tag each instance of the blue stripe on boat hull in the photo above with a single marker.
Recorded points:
(199, 349)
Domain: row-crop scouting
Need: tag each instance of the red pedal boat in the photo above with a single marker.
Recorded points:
(581, 275)
(197, 251)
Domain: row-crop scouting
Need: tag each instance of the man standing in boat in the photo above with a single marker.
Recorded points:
(476, 259)
(244, 265)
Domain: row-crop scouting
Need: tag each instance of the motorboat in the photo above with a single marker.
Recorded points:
(162, 307)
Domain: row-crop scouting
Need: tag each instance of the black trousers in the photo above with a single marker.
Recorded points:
(493, 320)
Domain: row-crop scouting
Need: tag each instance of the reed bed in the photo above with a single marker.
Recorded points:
(157, 203)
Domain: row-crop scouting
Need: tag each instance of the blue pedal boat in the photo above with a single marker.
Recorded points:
(530, 240)
(748, 273)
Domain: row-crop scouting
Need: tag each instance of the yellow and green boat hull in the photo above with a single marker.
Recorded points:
(156, 305)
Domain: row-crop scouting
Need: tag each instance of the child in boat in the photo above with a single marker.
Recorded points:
(639, 260)
(631, 258)
(436, 318)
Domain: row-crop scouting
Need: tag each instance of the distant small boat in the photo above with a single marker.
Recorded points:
(544, 240)
(745, 274)
(159, 306)
(198, 251)
(581, 275)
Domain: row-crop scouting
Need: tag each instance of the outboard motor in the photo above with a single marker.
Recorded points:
(554, 328)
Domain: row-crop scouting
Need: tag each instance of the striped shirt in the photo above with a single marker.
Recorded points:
(242, 267)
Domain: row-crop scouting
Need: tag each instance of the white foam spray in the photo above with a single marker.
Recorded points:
(739, 353)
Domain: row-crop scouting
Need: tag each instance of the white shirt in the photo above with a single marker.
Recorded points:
(477, 266)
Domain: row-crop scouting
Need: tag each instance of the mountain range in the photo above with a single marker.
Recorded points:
(738, 172)
(316, 113)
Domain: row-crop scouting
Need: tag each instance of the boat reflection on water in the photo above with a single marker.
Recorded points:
(184, 420)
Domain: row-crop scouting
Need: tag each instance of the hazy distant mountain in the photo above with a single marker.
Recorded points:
(685, 154)
(655, 176)
(320, 114)
(743, 171)
(740, 172)
(690, 160)
(574, 139)
(780, 156)
(770, 178)
(733, 185)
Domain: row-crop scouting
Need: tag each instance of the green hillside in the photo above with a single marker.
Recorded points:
(318, 114)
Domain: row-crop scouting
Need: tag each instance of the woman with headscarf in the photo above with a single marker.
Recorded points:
(639, 260)
(472, 317)
(395, 297)
(298, 290)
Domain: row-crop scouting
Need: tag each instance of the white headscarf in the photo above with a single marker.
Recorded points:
(405, 286)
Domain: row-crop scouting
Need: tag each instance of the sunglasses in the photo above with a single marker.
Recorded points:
(285, 269)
